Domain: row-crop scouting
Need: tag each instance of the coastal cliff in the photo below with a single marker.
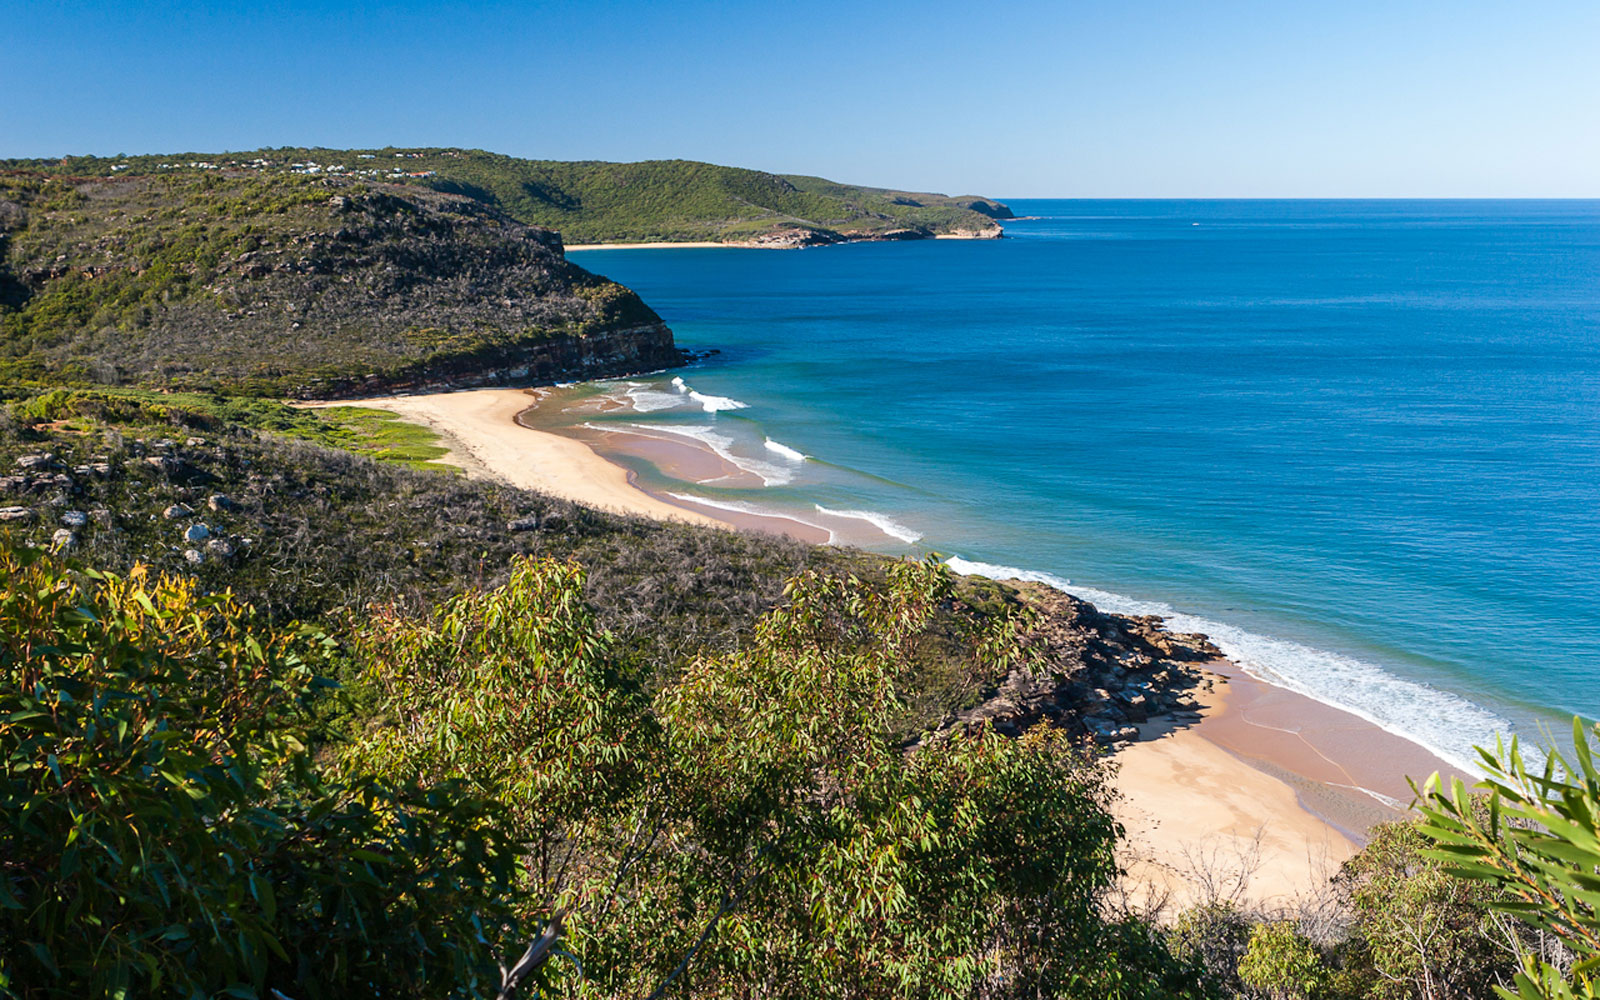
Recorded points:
(297, 286)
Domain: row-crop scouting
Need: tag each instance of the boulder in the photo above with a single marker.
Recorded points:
(63, 539)
(220, 502)
(15, 514)
(74, 519)
(529, 523)
(178, 510)
(220, 547)
(42, 460)
(196, 533)
(194, 556)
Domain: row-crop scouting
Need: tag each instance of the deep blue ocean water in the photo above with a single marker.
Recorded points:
(1358, 442)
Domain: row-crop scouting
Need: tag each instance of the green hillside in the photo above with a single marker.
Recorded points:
(598, 202)
(287, 284)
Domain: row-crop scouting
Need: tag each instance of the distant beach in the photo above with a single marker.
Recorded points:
(682, 245)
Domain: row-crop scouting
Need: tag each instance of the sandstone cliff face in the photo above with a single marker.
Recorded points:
(298, 286)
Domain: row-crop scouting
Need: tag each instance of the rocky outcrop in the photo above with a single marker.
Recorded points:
(1096, 674)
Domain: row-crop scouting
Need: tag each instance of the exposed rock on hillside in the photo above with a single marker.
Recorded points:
(1096, 673)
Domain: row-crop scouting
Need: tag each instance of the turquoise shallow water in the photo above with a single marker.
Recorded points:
(1358, 442)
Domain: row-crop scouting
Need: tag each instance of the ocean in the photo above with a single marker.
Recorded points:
(1356, 442)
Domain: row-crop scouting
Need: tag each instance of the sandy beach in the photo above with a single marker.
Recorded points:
(1259, 801)
(479, 427)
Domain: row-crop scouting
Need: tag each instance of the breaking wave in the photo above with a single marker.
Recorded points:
(1447, 725)
(785, 451)
(885, 524)
(770, 473)
(708, 403)
(739, 507)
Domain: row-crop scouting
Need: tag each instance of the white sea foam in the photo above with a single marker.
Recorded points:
(714, 404)
(740, 507)
(708, 403)
(887, 525)
(770, 473)
(785, 451)
(646, 399)
(1446, 724)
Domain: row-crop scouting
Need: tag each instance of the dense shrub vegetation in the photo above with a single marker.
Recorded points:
(164, 829)
(289, 285)
(753, 826)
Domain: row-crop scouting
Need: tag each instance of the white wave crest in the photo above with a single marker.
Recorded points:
(971, 567)
(708, 403)
(714, 404)
(885, 524)
(645, 399)
(785, 451)
(1445, 724)
(770, 473)
(739, 507)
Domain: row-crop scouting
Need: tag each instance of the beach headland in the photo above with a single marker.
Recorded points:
(1259, 798)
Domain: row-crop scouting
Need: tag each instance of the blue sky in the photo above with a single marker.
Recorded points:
(1152, 99)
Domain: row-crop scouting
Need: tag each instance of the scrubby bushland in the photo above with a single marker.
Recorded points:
(753, 826)
(594, 202)
(288, 285)
(164, 830)
(300, 529)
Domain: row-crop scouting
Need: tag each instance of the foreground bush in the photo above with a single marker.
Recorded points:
(1535, 836)
(754, 827)
(165, 832)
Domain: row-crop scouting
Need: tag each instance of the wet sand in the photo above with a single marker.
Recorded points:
(1261, 799)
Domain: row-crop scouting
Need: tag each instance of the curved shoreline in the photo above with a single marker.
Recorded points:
(1267, 778)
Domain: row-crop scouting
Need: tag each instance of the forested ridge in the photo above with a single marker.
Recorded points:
(598, 202)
